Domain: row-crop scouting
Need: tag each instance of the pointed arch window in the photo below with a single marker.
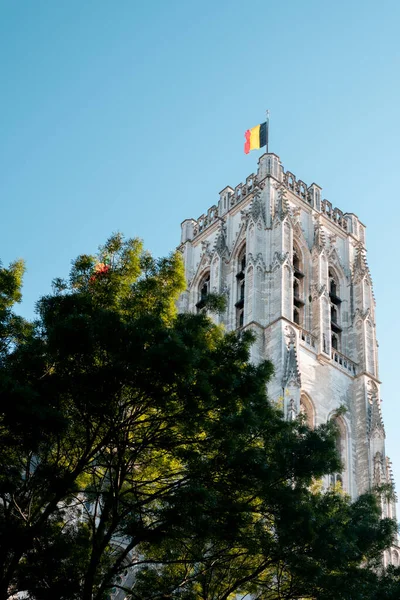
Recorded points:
(242, 261)
(298, 286)
(202, 292)
(335, 302)
(307, 410)
(297, 262)
(240, 286)
(334, 289)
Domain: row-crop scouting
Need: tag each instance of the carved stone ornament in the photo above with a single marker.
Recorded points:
(319, 238)
(244, 216)
(221, 246)
(257, 209)
(360, 265)
(256, 261)
(282, 208)
(279, 260)
(375, 421)
(332, 240)
(225, 291)
(379, 474)
(205, 261)
(318, 291)
(363, 315)
(290, 334)
(298, 233)
(291, 373)
(336, 261)
(205, 247)
(295, 214)
(291, 410)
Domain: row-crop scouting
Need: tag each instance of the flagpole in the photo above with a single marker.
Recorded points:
(267, 119)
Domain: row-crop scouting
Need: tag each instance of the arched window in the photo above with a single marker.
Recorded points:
(335, 301)
(203, 291)
(307, 409)
(241, 286)
(335, 341)
(242, 260)
(297, 260)
(332, 287)
(298, 286)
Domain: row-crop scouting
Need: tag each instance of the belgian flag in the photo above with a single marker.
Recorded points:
(255, 138)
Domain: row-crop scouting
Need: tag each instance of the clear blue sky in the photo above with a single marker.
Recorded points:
(130, 116)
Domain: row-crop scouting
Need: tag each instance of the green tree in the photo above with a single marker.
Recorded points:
(286, 542)
(142, 443)
(12, 327)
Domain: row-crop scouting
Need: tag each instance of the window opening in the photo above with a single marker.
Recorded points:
(241, 287)
(298, 302)
(335, 345)
(336, 301)
(334, 288)
(307, 410)
(296, 289)
(203, 291)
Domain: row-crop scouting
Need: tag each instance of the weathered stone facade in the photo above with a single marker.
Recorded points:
(294, 270)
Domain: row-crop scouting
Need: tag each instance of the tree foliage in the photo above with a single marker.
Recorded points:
(12, 328)
(139, 452)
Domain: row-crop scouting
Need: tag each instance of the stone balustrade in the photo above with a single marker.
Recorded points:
(308, 339)
(342, 361)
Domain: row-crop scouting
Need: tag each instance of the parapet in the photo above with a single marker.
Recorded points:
(269, 165)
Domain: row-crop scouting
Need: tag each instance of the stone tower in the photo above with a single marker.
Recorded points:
(294, 270)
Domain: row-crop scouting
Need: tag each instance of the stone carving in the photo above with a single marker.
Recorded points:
(335, 260)
(375, 421)
(221, 246)
(290, 334)
(291, 411)
(360, 265)
(257, 261)
(319, 238)
(318, 291)
(279, 260)
(205, 247)
(282, 208)
(291, 372)
(295, 214)
(379, 477)
(363, 315)
(257, 209)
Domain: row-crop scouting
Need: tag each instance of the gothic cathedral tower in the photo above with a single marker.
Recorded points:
(294, 270)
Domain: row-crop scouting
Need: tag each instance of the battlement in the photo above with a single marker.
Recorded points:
(271, 167)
